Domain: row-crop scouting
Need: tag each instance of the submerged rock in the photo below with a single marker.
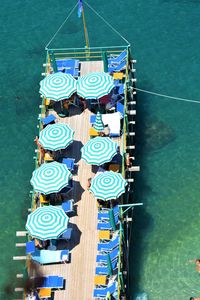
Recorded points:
(155, 134)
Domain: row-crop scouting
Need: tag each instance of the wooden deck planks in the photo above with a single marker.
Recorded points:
(92, 66)
(79, 273)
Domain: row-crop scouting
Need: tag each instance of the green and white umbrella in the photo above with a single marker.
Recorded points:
(108, 185)
(98, 125)
(95, 85)
(56, 136)
(50, 178)
(47, 222)
(58, 86)
(99, 150)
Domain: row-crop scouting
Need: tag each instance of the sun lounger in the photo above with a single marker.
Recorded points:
(52, 282)
(117, 68)
(110, 245)
(102, 293)
(68, 66)
(103, 270)
(103, 258)
(104, 224)
(49, 256)
(105, 214)
(117, 60)
(67, 63)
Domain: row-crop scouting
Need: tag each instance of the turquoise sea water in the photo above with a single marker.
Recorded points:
(165, 41)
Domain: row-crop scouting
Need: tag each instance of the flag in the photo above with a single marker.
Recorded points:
(80, 8)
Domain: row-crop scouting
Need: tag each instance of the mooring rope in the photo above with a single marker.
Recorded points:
(167, 96)
(61, 26)
(107, 23)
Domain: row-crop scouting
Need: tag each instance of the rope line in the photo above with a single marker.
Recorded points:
(117, 32)
(61, 26)
(167, 96)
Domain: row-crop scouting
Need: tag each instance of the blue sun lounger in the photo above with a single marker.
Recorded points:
(105, 214)
(50, 256)
(52, 282)
(67, 63)
(102, 293)
(103, 258)
(106, 225)
(117, 60)
(108, 246)
(103, 270)
(117, 68)
(69, 66)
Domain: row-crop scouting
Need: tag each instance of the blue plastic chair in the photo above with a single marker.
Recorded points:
(67, 63)
(68, 206)
(120, 108)
(103, 258)
(66, 235)
(30, 247)
(117, 60)
(69, 162)
(108, 246)
(104, 224)
(92, 119)
(51, 118)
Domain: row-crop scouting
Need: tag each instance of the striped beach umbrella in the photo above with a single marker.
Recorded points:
(58, 86)
(95, 85)
(50, 178)
(98, 125)
(99, 150)
(108, 185)
(47, 222)
(56, 136)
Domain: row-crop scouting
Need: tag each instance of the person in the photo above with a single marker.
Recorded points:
(192, 298)
(197, 262)
(89, 183)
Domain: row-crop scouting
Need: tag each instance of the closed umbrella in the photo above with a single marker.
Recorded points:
(95, 85)
(108, 185)
(98, 125)
(58, 86)
(48, 222)
(99, 150)
(50, 178)
(55, 137)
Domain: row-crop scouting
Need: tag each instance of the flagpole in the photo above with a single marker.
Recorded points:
(85, 30)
